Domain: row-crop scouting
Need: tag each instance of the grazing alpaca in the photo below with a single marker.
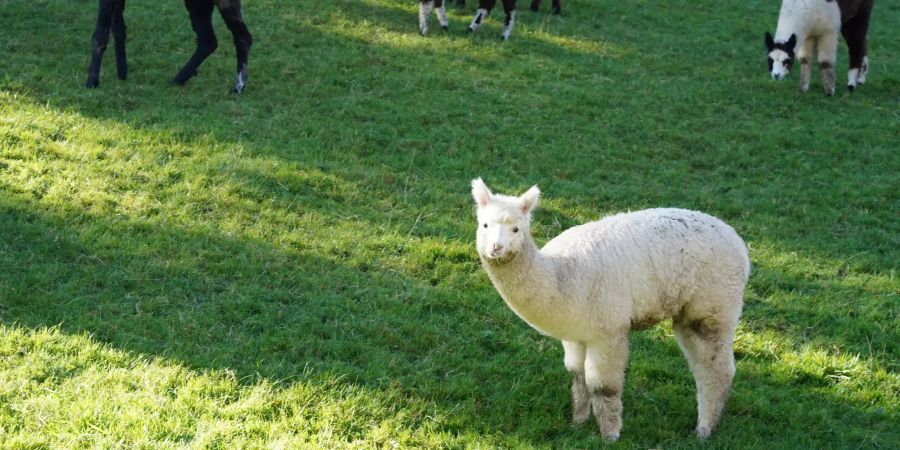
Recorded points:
(484, 10)
(110, 15)
(595, 282)
(805, 26)
(557, 6)
(425, 8)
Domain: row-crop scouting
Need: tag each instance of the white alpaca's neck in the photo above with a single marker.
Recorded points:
(527, 285)
(791, 20)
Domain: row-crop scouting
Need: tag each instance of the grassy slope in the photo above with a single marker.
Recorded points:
(295, 267)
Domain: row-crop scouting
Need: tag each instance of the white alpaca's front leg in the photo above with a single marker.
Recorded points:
(425, 9)
(804, 55)
(581, 398)
(827, 57)
(480, 15)
(604, 369)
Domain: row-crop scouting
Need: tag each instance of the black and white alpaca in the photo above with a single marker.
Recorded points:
(425, 8)
(556, 9)
(484, 10)
(110, 16)
(805, 26)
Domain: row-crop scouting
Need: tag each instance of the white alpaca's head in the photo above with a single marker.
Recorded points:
(781, 56)
(504, 222)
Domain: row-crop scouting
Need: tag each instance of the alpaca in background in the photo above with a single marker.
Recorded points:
(807, 26)
(110, 16)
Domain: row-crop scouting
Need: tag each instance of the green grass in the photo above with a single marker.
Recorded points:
(295, 267)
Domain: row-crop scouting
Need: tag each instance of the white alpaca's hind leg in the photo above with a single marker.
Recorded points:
(581, 399)
(708, 345)
(425, 9)
(604, 370)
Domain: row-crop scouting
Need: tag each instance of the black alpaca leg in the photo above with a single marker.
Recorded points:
(557, 6)
(509, 6)
(234, 18)
(118, 31)
(460, 3)
(100, 39)
(855, 31)
(201, 21)
(484, 10)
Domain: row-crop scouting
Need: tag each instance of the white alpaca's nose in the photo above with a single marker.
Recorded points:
(496, 248)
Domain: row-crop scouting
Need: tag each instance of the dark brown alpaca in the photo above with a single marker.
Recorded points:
(110, 16)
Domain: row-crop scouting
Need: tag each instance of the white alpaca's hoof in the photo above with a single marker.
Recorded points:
(611, 437)
(703, 432)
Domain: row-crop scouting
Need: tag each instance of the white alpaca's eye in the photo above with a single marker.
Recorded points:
(515, 229)
(485, 225)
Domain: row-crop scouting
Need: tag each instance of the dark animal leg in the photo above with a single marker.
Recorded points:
(105, 12)
(118, 31)
(484, 10)
(509, 6)
(234, 19)
(855, 30)
(460, 3)
(557, 6)
(201, 22)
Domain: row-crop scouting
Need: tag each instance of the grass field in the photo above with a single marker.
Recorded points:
(295, 267)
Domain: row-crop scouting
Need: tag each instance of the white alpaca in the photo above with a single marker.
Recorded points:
(425, 8)
(595, 282)
(808, 25)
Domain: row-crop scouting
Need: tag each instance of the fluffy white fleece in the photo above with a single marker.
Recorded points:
(595, 282)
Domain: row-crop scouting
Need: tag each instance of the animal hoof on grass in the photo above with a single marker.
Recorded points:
(445, 28)
(557, 11)
(470, 30)
(851, 87)
(91, 84)
(703, 432)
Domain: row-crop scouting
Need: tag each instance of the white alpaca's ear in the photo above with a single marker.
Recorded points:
(481, 193)
(529, 199)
